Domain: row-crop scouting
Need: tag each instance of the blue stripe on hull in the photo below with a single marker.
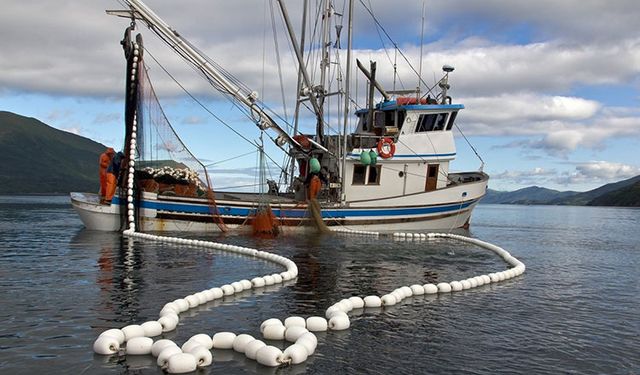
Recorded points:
(301, 213)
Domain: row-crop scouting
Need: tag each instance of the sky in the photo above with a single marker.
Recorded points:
(551, 88)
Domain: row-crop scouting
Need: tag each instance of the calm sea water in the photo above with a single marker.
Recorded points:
(575, 310)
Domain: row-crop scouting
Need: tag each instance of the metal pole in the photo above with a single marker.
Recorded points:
(346, 105)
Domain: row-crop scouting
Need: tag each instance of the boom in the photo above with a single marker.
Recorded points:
(183, 48)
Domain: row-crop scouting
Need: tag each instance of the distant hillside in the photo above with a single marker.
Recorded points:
(38, 159)
(623, 193)
(628, 196)
(585, 198)
(529, 195)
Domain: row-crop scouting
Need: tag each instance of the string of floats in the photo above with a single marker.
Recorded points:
(137, 339)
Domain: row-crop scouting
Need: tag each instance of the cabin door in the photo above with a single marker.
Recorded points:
(432, 177)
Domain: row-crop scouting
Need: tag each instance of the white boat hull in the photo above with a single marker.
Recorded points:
(443, 209)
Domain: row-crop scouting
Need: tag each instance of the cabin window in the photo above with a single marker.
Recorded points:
(452, 118)
(441, 121)
(359, 173)
(366, 174)
(374, 175)
(431, 122)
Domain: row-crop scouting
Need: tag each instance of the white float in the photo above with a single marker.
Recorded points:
(160, 345)
(295, 354)
(223, 340)
(252, 348)
(269, 356)
(106, 345)
(181, 363)
(167, 352)
(316, 324)
(139, 346)
(241, 341)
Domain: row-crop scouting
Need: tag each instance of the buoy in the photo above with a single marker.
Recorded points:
(181, 363)
(168, 323)
(309, 341)
(295, 354)
(465, 284)
(257, 282)
(339, 322)
(332, 310)
(356, 302)
(294, 321)
(131, 331)
(139, 346)
(444, 288)
(252, 348)
(223, 340)
(388, 300)
(217, 293)
(182, 304)
(106, 345)
(372, 301)
(227, 289)
(269, 356)
(192, 300)
(165, 353)
(152, 328)
(486, 279)
(407, 291)
(398, 294)
(292, 333)
(456, 286)
(117, 333)
(269, 280)
(237, 287)
(417, 290)
(274, 332)
(202, 298)
(204, 339)
(160, 345)
(430, 289)
(203, 355)
(494, 278)
(246, 284)
(169, 310)
(316, 324)
(277, 278)
(345, 305)
(271, 321)
(190, 344)
(241, 341)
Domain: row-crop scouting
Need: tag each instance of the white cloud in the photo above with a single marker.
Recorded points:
(587, 174)
(606, 171)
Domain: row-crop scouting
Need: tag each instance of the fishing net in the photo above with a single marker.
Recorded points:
(164, 165)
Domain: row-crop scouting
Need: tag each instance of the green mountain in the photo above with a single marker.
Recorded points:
(38, 159)
(529, 195)
(623, 193)
(628, 196)
(585, 198)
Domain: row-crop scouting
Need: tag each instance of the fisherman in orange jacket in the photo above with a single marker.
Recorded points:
(105, 160)
(113, 173)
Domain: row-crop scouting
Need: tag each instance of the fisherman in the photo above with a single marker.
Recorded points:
(113, 172)
(105, 160)
(315, 178)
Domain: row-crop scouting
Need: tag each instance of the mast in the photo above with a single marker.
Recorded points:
(324, 64)
(346, 103)
(308, 89)
(184, 49)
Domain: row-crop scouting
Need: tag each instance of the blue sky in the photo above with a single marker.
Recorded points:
(551, 88)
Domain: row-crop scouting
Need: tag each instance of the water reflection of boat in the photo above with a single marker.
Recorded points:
(391, 172)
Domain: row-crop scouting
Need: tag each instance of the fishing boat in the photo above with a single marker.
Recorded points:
(390, 170)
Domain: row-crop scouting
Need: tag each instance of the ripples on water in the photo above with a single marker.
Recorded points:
(574, 311)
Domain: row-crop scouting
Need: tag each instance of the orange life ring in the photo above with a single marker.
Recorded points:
(386, 148)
